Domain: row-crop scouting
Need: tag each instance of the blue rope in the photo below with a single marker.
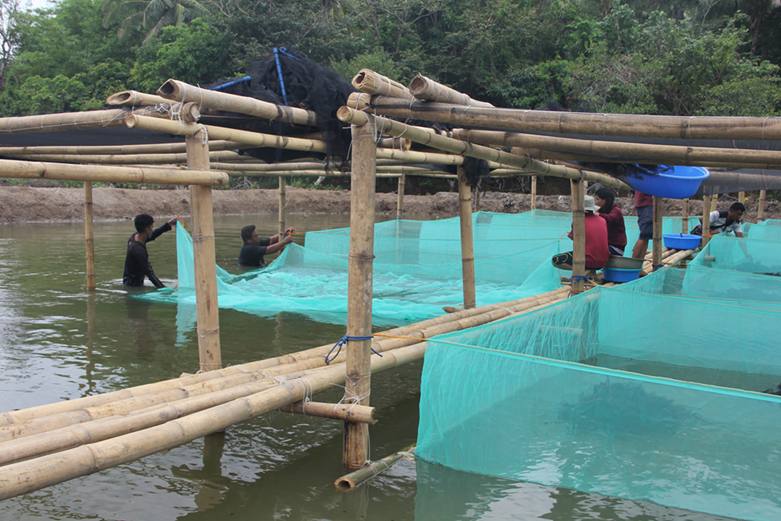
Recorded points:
(279, 73)
(576, 278)
(657, 266)
(343, 341)
(234, 82)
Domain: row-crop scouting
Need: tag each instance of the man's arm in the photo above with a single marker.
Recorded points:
(164, 228)
(277, 246)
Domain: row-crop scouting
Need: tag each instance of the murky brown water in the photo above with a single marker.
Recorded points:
(59, 342)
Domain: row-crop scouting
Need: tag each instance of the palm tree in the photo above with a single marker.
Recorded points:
(153, 15)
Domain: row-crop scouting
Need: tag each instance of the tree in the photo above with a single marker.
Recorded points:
(151, 15)
(9, 9)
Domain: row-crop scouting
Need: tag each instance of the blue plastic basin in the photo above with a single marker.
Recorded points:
(679, 183)
(681, 241)
(619, 275)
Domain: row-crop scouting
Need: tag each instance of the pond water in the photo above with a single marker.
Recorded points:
(59, 342)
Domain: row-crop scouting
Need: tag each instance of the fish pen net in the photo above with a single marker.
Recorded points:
(640, 396)
(760, 256)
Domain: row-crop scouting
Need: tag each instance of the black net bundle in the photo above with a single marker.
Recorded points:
(287, 77)
(476, 170)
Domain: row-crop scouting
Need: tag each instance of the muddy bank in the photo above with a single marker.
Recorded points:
(25, 204)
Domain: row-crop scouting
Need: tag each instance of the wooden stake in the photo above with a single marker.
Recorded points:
(205, 260)
(706, 220)
(761, 209)
(359, 291)
(282, 203)
(467, 244)
(657, 248)
(89, 236)
(534, 193)
(578, 236)
(400, 197)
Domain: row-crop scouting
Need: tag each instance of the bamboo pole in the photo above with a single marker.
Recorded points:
(252, 138)
(424, 88)
(215, 100)
(109, 174)
(350, 413)
(420, 157)
(131, 98)
(64, 121)
(685, 216)
(714, 203)
(639, 152)
(371, 82)
(633, 125)
(741, 197)
(761, 208)
(706, 236)
(355, 479)
(204, 258)
(134, 159)
(360, 270)
(240, 172)
(657, 247)
(400, 197)
(396, 143)
(159, 148)
(282, 203)
(417, 135)
(467, 244)
(578, 236)
(89, 237)
(534, 193)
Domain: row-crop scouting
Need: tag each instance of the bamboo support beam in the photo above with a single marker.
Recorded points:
(424, 88)
(64, 121)
(396, 143)
(89, 237)
(400, 197)
(134, 159)
(282, 203)
(420, 157)
(204, 258)
(110, 174)
(639, 152)
(371, 82)
(578, 236)
(634, 125)
(761, 208)
(251, 138)
(131, 98)
(418, 135)
(359, 290)
(222, 101)
(657, 247)
(467, 244)
(353, 413)
(706, 236)
(355, 479)
(160, 148)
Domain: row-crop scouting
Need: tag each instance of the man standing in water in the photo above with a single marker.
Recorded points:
(254, 248)
(137, 264)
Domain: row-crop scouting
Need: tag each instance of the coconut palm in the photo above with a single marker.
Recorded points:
(153, 15)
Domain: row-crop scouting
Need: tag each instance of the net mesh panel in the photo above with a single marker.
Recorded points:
(769, 230)
(745, 255)
(641, 396)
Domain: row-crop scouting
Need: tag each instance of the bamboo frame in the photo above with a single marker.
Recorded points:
(467, 243)
(578, 236)
(424, 88)
(371, 82)
(353, 413)
(89, 237)
(222, 101)
(204, 258)
(418, 135)
(360, 271)
(632, 125)
(657, 246)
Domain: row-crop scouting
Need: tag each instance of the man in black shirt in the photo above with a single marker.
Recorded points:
(137, 260)
(255, 248)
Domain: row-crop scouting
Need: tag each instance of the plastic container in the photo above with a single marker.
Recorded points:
(679, 183)
(620, 275)
(624, 263)
(681, 241)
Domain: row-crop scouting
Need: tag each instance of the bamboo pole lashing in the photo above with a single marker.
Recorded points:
(631, 125)
(222, 101)
(418, 135)
(371, 82)
(89, 237)
(467, 243)
(424, 88)
(339, 411)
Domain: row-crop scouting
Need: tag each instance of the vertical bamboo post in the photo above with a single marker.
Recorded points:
(534, 193)
(761, 209)
(706, 220)
(477, 196)
(359, 290)
(657, 249)
(282, 203)
(89, 237)
(467, 243)
(742, 197)
(400, 199)
(204, 257)
(714, 204)
(578, 236)
(685, 217)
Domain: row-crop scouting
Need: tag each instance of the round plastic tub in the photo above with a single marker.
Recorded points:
(681, 241)
(620, 275)
(679, 183)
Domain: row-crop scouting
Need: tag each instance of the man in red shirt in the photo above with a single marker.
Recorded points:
(644, 205)
(597, 252)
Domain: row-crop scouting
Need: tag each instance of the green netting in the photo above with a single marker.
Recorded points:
(638, 396)
(768, 230)
(745, 255)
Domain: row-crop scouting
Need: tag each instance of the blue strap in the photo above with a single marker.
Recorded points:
(234, 82)
(576, 278)
(342, 341)
(657, 266)
(279, 73)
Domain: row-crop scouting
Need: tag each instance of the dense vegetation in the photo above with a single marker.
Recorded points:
(684, 57)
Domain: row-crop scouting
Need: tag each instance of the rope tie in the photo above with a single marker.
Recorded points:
(344, 340)
(207, 333)
(576, 278)
(657, 266)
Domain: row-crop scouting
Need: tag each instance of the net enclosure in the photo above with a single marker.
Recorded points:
(648, 391)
